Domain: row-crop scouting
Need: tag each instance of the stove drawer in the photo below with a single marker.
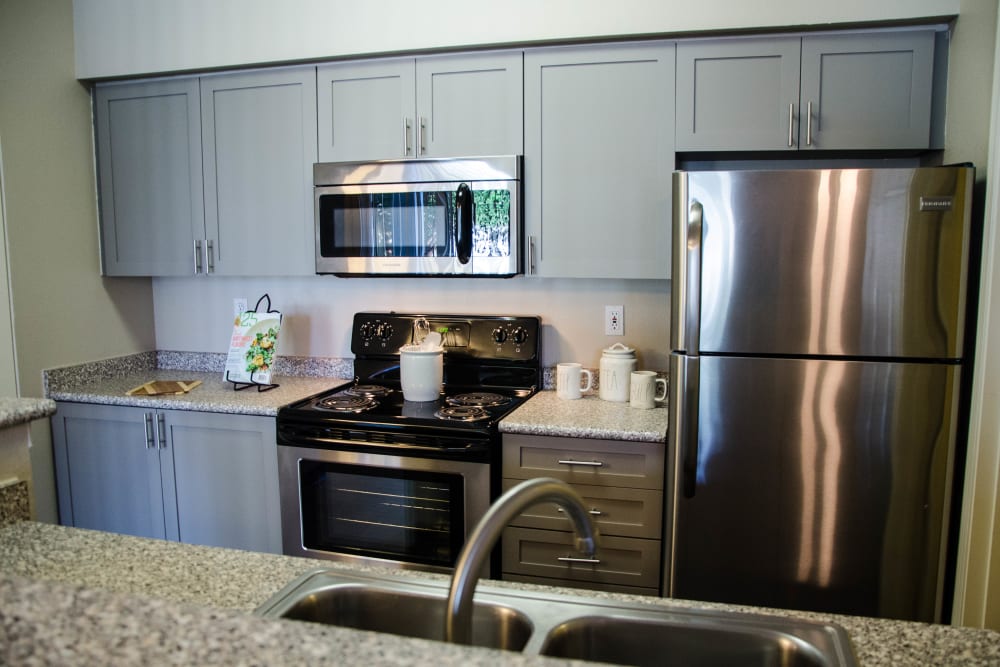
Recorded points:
(617, 511)
(634, 465)
(621, 561)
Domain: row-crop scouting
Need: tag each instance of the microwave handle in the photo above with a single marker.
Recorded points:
(466, 211)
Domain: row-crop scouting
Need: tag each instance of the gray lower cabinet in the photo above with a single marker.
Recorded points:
(621, 484)
(208, 175)
(196, 477)
(837, 91)
(433, 106)
(599, 151)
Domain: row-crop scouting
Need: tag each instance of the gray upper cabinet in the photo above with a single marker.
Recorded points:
(148, 138)
(738, 94)
(867, 91)
(834, 92)
(598, 156)
(248, 211)
(435, 106)
(259, 146)
(201, 478)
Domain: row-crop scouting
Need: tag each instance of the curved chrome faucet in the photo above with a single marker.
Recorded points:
(458, 617)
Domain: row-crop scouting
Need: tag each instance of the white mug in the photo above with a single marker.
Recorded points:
(568, 379)
(644, 389)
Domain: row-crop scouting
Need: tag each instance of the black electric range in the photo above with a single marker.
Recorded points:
(491, 366)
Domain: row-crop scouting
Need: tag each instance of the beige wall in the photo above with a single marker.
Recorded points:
(64, 312)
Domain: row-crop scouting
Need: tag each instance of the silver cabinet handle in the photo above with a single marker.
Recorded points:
(197, 256)
(809, 124)
(407, 126)
(421, 135)
(532, 254)
(210, 255)
(568, 559)
(593, 512)
(571, 462)
(791, 121)
(148, 426)
(161, 430)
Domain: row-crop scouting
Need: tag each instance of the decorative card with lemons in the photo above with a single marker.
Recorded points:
(253, 347)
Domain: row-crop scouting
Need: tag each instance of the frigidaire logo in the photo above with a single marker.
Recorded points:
(936, 203)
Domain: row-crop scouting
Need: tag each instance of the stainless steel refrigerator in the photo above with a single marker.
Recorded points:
(817, 332)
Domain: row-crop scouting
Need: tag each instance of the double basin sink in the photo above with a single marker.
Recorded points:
(563, 626)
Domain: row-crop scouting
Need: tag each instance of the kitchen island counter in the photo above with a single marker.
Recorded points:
(82, 597)
(588, 417)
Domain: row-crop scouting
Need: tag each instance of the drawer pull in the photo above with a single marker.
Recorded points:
(570, 559)
(594, 512)
(571, 462)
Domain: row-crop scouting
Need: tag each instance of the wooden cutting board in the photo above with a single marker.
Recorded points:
(161, 387)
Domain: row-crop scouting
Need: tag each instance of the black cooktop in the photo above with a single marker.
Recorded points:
(491, 366)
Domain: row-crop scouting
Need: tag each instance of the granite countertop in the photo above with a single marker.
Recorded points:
(85, 597)
(588, 417)
(17, 411)
(106, 382)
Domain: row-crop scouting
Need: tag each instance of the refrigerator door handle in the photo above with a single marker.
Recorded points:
(684, 422)
(686, 269)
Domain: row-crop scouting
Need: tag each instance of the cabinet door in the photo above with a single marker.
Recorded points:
(107, 469)
(366, 110)
(598, 157)
(738, 94)
(259, 135)
(470, 104)
(224, 484)
(149, 173)
(867, 91)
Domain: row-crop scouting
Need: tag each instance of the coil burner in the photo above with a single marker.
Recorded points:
(463, 413)
(370, 390)
(347, 403)
(483, 399)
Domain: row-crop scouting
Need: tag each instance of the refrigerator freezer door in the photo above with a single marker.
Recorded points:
(817, 485)
(845, 262)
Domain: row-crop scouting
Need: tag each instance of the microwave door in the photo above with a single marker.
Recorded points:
(387, 230)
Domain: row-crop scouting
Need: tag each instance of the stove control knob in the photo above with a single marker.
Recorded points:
(499, 335)
(367, 330)
(520, 335)
(384, 330)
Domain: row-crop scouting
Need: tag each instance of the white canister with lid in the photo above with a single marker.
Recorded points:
(617, 364)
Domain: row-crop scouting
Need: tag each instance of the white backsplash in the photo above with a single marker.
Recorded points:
(195, 314)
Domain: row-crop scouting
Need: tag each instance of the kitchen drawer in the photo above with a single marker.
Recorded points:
(618, 511)
(634, 465)
(588, 585)
(624, 561)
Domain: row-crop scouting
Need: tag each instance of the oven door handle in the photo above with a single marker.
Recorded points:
(465, 211)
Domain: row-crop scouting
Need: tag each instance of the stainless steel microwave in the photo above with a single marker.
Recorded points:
(431, 217)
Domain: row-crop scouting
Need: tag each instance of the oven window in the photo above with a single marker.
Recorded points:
(411, 224)
(406, 515)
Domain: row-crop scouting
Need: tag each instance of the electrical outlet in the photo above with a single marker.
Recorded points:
(239, 307)
(614, 320)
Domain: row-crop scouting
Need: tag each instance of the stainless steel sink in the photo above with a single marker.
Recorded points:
(408, 612)
(685, 641)
(563, 625)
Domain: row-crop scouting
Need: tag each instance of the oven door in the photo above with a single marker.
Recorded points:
(418, 229)
(395, 511)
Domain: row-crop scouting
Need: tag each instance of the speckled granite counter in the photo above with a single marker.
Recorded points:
(16, 411)
(70, 596)
(587, 417)
(107, 381)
